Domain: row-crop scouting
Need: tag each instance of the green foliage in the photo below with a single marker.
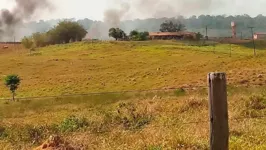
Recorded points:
(170, 26)
(152, 147)
(12, 82)
(199, 36)
(72, 123)
(219, 24)
(64, 32)
(180, 92)
(27, 42)
(138, 36)
(40, 39)
(117, 34)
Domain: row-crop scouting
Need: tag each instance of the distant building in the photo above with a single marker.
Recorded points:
(259, 36)
(171, 35)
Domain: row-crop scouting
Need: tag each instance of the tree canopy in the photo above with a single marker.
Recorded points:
(27, 42)
(170, 26)
(12, 82)
(64, 32)
(218, 26)
(117, 34)
(138, 36)
(68, 30)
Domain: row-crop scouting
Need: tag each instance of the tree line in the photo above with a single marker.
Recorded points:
(64, 32)
(218, 25)
(67, 31)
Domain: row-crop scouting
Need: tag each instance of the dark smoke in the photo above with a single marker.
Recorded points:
(141, 9)
(132, 9)
(24, 10)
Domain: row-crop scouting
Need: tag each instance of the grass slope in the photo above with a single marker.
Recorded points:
(171, 119)
(110, 66)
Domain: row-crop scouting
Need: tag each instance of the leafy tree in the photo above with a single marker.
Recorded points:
(138, 36)
(218, 26)
(12, 82)
(40, 39)
(170, 26)
(27, 42)
(66, 31)
(117, 34)
(134, 34)
(198, 36)
(143, 35)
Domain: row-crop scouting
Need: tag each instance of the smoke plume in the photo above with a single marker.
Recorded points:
(23, 10)
(132, 9)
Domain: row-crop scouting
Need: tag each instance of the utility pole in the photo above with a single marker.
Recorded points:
(231, 49)
(251, 28)
(206, 33)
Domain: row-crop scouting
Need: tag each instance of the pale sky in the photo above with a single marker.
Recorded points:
(94, 9)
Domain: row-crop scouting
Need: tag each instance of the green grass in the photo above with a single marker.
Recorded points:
(174, 118)
(117, 66)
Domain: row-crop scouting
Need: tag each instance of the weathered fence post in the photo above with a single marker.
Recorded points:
(219, 128)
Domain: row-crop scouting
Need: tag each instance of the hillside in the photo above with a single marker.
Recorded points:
(173, 117)
(100, 67)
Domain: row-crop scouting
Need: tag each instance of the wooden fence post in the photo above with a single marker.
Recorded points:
(219, 128)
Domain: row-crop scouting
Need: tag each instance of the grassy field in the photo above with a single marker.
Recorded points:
(152, 120)
(100, 67)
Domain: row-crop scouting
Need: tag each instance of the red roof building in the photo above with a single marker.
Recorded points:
(171, 35)
(259, 36)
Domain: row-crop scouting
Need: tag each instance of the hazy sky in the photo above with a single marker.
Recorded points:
(94, 9)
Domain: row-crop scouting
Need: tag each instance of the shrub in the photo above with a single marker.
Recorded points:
(138, 36)
(256, 102)
(26, 133)
(132, 118)
(180, 92)
(152, 147)
(72, 123)
(27, 42)
(254, 106)
(193, 103)
(3, 132)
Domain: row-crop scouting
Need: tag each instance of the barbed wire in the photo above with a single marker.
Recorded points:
(112, 92)
(172, 125)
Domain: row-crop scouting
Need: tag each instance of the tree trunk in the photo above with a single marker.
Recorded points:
(13, 96)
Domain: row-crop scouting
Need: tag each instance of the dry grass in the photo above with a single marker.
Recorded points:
(110, 66)
(172, 119)
(150, 121)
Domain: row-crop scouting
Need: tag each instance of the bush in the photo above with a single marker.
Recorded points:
(27, 42)
(138, 36)
(180, 92)
(131, 118)
(256, 102)
(3, 132)
(64, 32)
(26, 133)
(40, 39)
(72, 123)
(254, 106)
(154, 148)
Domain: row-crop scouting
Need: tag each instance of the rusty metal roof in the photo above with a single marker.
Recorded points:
(171, 33)
(260, 33)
